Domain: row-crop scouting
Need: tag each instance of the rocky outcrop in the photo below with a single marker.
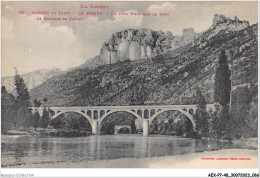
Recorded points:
(188, 36)
(31, 79)
(221, 23)
(174, 80)
(135, 44)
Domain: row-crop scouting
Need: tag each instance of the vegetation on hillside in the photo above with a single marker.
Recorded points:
(171, 78)
(192, 74)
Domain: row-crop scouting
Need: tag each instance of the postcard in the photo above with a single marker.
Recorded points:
(129, 84)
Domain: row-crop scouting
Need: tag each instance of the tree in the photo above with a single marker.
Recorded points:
(36, 115)
(222, 85)
(36, 120)
(214, 122)
(170, 121)
(37, 103)
(45, 99)
(252, 118)
(226, 124)
(166, 127)
(171, 126)
(154, 126)
(45, 118)
(180, 127)
(8, 110)
(23, 96)
(161, 127)
(241, 98)
(23, 115)
(133, 127)
(202, 116)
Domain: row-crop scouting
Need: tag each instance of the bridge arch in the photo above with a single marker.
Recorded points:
(124, 128)
(114, 111)
(118, 128)
(79, 112)
(176, 109)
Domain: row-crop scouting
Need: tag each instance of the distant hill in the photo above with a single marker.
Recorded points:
(170, 78)
(90, 63)
(32, 79)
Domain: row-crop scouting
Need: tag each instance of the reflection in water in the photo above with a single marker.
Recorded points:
(144, 147)
(93, 146)
(35, 150)
(21, 150)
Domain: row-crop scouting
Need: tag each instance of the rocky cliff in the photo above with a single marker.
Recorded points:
(136, 44)
(220, 23)
(31, 79)
(169, 78)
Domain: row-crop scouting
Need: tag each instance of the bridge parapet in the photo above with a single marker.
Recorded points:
(96, 114)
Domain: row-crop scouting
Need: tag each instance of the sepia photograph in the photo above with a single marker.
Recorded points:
(129, 84)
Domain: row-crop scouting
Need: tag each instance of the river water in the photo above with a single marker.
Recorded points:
(33, 150)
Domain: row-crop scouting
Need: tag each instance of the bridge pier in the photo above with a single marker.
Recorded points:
(95, 128)
(145, 128)
(138, 111)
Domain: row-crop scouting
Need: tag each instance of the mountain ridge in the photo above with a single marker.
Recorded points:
(219, 22)
(31, 79)
(171, 78)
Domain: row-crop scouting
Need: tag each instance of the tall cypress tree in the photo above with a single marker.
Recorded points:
(202, 116)
(24, 116)
(23, 96)
(222, 86)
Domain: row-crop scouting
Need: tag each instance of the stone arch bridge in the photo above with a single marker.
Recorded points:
(119, 127)
(145, 114)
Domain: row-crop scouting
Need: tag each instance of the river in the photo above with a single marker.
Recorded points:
(33, 150)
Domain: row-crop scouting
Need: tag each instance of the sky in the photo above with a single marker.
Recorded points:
(29, 44)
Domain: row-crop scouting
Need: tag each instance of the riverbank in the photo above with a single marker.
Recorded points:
(49, 132)
(236, 158)
(248, 143)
